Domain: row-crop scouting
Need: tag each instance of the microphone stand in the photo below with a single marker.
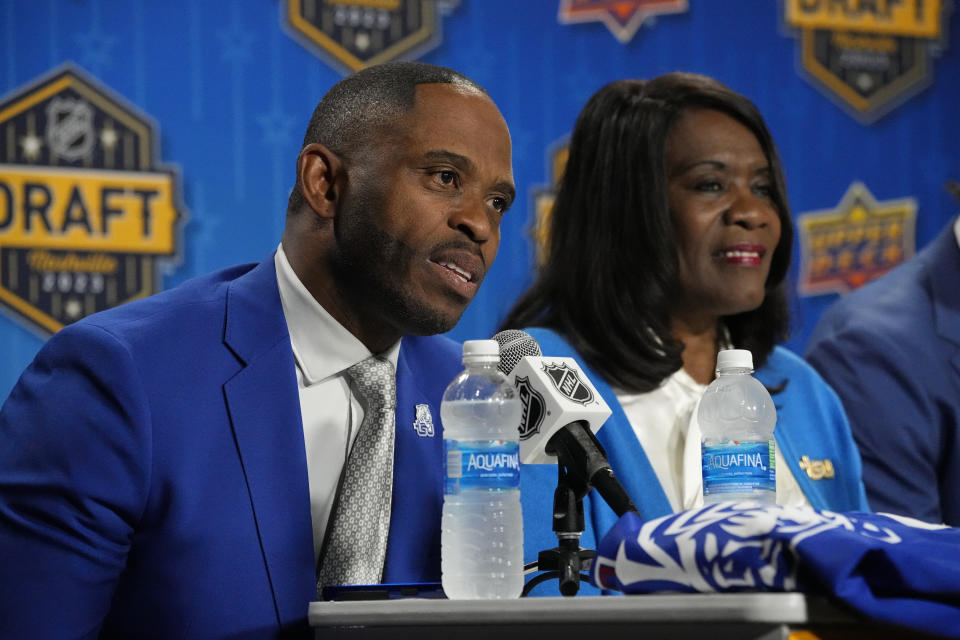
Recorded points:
(567, 559)
(581, 465)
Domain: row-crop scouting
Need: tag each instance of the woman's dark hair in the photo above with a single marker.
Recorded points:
(611, 264)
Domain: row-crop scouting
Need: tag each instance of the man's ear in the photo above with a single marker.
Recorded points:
(321, 177)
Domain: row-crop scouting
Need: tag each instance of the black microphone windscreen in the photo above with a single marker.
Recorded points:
(514, 346)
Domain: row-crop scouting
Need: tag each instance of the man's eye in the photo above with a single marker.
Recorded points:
(447, 177)
(499, 204)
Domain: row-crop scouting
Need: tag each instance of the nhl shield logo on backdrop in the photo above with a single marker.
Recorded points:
(869, 55)
(85, 210)
(568, 382)
(354, 34)
(621, 17)
(70, 128)
(861, 239)
(533, 408)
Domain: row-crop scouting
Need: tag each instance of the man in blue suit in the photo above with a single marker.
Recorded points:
(169, 468)
(891, 349)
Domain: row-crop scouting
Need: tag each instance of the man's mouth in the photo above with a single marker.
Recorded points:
(463, 274)
(461, 268)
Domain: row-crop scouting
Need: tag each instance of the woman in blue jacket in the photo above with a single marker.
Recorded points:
(670, 239)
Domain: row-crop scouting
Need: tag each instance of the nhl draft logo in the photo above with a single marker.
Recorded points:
(858, 241)
(870, 56)
(543, 198)
(354, 34)
(533, 408)
(423, 422)
(568, 383)
(621, 17)
(86, 212)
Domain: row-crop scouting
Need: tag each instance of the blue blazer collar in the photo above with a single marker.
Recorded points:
(413, 552)
(264, 409)
(254, 320)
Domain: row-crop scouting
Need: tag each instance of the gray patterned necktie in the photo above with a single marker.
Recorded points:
(356, 543)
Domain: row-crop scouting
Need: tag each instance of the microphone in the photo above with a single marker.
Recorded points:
(561, 412)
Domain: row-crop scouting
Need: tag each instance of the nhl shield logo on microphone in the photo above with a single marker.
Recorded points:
(533, 408)
(568, 382)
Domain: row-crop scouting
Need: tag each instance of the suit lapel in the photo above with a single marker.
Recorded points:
(414, 543)
(264, 409)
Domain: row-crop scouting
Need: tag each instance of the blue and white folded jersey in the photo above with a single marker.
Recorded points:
(891, 569)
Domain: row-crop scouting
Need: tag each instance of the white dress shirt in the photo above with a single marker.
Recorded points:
(323, 350)
(665, 423)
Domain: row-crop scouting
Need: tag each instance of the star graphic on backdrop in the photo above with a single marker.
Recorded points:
(277, 126)
(73, 308)
(108, 137)
(31, 147)
(236, 42)
(96, 47)
(362, 41)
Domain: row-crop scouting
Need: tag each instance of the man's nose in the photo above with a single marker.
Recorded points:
(474, 217)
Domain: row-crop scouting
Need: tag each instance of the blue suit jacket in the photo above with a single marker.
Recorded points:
(810, 422)
(891, 349)
(153, 476)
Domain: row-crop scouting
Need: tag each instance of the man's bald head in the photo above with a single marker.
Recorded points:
(357, 109)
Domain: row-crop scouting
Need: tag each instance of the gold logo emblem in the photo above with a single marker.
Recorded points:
(621, 17)
(817, 469)
(871, 56)
(85, 210)
(354, 34)
(861, 239)
(544, 196)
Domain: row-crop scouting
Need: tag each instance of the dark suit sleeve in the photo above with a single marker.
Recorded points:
(892, 414)
(74, 438)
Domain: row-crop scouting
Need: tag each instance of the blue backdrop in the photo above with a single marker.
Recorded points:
(231, 91)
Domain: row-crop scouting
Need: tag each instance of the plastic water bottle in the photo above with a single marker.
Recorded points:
(482, 528)
(737, 418)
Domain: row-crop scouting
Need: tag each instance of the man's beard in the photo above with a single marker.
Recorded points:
(370, 266)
